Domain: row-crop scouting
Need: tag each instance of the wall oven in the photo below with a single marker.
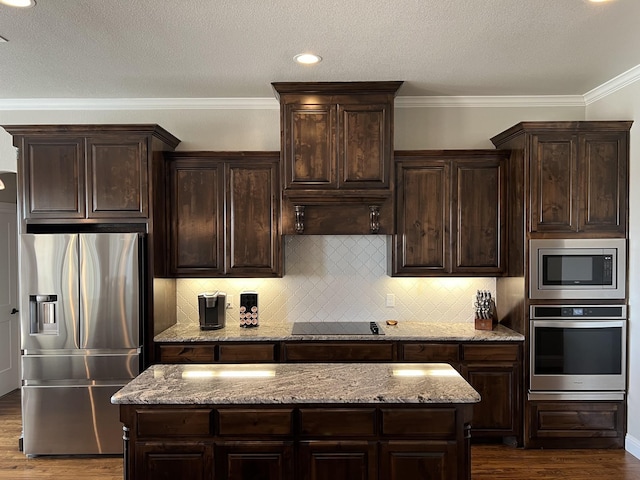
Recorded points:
(585, 268)
(578, 351)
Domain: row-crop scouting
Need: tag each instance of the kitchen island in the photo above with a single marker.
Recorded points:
(297, 421)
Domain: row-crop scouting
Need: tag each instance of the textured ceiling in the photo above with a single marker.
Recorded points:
(236, 48)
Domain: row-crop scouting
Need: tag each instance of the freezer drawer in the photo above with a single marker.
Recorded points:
(114, 367)
(71, 420)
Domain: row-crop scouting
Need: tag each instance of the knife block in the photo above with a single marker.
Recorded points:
(487, 323)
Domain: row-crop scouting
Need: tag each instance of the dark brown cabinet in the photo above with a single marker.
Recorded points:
(338, 352)
(225, 352)
(338, 460)
(495, 371)
(492, 368)
(337, 151)
(167, 461)
(254, 460)
(450, 213)
(316, 442)
(224, 212)
(576, 424)
(402, 460)
(337, 135)
(578, 175)
(87, 172)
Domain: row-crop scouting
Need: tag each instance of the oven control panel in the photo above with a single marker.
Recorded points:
(578, 311)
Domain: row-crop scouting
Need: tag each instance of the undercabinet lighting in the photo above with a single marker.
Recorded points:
(307, 58)
(19, 3)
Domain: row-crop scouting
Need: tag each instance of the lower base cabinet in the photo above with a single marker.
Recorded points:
(575, 424)
(254, 460)
(338, 460)
(169, 460)
(290, 442)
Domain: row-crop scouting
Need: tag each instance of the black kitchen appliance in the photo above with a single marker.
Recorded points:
(211, 309)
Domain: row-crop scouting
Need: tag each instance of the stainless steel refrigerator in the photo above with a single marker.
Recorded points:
(80, 338)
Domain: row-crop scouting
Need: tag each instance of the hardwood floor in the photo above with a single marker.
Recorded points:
(489, 462)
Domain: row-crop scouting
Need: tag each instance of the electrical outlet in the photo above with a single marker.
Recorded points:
(229, 301)
(391, 300)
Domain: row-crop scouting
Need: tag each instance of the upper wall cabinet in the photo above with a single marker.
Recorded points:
(224, 210)
(80, 172)
(450, 213)
(336, 143)
(578, 175)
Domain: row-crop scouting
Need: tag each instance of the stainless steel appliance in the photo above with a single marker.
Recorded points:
(211, 310)
(578, 351)
(586, 268)
(80, 338)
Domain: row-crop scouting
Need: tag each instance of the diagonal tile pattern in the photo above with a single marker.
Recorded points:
(341, 277)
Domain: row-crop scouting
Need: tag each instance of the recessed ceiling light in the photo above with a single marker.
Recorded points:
(307, 58)
(19, 3)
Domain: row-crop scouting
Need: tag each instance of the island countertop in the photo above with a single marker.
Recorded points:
(281, 331)
(300, 383)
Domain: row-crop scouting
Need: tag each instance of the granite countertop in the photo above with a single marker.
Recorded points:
(300, 383)
(279, 331)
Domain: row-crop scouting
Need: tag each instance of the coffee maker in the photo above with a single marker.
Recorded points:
(211, 309)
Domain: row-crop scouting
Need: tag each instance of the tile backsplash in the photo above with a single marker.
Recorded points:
(340, 277)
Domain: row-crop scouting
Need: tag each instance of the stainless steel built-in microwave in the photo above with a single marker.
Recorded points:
(569, 269)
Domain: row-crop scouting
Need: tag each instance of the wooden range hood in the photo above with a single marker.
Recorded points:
(336, 156)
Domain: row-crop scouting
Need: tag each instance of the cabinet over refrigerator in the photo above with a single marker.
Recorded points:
(80, 298)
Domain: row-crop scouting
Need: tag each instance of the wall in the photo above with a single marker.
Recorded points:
(625, 105)
(9, 193)
(341, 277)
(259, 128)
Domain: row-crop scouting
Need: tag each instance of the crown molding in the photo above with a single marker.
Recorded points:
(139, 104)
(266, 103)
(616, 83)
(492, 101)
(44, 104)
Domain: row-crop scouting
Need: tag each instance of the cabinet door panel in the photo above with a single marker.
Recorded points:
(364, 146)
(423, 219)
(404, 460)
(166, 461)
(498, 411)
(54, 178)
(255, 461)
(309, 145)
(252, 219)
(338, 460)
(553, 181)
(117, 177)
(603, 199)
(479, 216)
(196, 215)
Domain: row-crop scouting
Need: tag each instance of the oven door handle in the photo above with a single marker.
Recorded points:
(579, 323)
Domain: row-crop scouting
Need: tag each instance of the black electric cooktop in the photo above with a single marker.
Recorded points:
(336, 328)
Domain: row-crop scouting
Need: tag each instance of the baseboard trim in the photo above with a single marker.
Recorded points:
(632, 445)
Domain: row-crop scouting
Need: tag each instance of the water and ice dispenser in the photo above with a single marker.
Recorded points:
(42, 314)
